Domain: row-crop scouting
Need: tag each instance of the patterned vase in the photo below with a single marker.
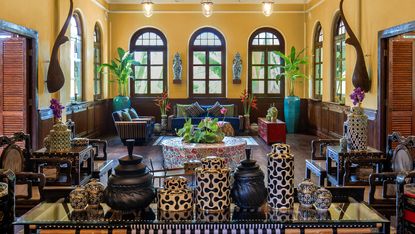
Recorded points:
(356, 129)
(78, 198)
(247, 123)
(59, 138)
(95, 190)
(323, 199)
(212, 185)
(281, 177)
(163, 122)
(306, 193)
(175, 196)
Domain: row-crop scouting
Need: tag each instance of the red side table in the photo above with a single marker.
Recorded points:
(271, 132)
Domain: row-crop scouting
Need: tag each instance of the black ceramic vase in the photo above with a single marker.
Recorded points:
(131, 186)
(248, 190)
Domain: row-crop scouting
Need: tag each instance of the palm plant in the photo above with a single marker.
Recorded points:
(122, 68)
(291, 67)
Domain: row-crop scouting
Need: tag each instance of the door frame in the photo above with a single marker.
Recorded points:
(32, 95)
(383, 61)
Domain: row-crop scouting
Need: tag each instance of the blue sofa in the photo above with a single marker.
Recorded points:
(177, 120)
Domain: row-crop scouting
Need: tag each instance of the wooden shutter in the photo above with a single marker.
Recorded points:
(401, 87)
(12, 86)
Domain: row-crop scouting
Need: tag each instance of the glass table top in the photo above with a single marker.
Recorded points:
(61, 213)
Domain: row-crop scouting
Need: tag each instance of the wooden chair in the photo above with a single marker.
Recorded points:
(29, 190)
(402, 179)
(317, 164)
(7, 209)
(102, 166)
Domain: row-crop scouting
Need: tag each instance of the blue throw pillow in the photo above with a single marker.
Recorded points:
(195, 110)
(215, 110)
(133, 113)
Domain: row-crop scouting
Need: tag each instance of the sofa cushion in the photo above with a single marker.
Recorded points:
(195, 110)
(181, 110)
(125, 116)
(132, 113)
(231, 110)
(215, 110)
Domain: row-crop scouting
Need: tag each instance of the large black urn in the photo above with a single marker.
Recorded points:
(131, 186)
(249, 191)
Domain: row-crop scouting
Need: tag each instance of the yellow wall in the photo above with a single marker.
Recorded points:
(178, 27)
(367, 18)
(47, 17)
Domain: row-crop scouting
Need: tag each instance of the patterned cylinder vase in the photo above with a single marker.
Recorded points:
(212, 185)
(78, 198)
(95, 190)
(175, 196)
(281, 177)
(356, 129)
(59, 139)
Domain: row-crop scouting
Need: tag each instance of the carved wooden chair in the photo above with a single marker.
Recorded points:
(317, 164)
(102, 166)
(29, 190)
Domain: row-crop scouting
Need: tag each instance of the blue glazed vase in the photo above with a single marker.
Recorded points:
(291, 113)
(121, 102)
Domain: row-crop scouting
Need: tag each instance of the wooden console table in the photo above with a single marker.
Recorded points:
(271, 132)
(82, 159)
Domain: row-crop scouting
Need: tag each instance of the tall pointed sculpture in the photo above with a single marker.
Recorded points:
(56, 79)
(360, 76)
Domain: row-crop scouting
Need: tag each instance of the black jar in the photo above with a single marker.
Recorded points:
(248, 190)
(131, 186)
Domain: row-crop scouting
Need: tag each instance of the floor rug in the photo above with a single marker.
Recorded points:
(250, 141)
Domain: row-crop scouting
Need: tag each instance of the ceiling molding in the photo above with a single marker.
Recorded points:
(173, 2)
(100, 5)
(200, 12)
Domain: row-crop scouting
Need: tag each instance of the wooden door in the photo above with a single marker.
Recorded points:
(13, 90)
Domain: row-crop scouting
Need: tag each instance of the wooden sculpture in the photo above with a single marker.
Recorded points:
(56, 79)
(360, 76)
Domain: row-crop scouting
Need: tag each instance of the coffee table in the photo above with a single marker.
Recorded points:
(176, 152)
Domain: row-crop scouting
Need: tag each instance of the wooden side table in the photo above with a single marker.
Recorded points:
(82, 159)
(271, 132)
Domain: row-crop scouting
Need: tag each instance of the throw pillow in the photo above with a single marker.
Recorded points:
(125, 116)
(181, 110)
(194, 110)
(215, 110)
(133, 113)
(231, 110)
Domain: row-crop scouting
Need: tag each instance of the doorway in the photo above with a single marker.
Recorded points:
(18, 80)
(396, 90)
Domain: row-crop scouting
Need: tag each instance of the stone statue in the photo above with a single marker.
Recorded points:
(177, 67)
(237, 67)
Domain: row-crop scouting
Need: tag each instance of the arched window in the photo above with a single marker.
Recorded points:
(263, 46)
(207, 63)
(339, 61)
(97, 62)
(149, 46)
(76, 34)
(318, 62)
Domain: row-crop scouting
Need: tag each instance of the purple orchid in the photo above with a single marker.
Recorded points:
(357, 96)
(56, 108)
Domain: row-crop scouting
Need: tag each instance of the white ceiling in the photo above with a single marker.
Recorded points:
(215, 1)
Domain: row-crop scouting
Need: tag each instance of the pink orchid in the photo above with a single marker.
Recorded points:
(223, 111)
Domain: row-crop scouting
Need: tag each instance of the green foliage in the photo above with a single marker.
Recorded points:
(207, 131)
(122, 68)
(291, 67)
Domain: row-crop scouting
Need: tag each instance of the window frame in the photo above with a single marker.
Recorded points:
(197, 48)
(78, 19)
(97, 64)
(337, 38)
(149, 49)
(266, 49)
(318, 45)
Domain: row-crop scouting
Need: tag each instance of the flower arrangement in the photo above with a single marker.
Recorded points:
(56, 108)
(223, 111)
(163, 103)
(357, 96)
(207, 131)
(249, 101)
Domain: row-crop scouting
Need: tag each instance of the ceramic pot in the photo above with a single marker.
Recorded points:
(59, 138)
(291, 113)
(248, 190)
(131, 186)
(95, 190)
(279, 148)
(280, 178)
(163, 122)
(323, 199)
(78, 198)
(175, 196)
(306, 193)
(121, 102)
(356, 129)
(212, 185)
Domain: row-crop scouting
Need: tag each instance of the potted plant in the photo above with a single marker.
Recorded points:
(163, 103)
(207, 131)
(291, 71)
(122, 69)
(248, 101)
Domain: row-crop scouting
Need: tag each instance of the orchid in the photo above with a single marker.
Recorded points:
(223, 111)
(56, 108)
(357, 96)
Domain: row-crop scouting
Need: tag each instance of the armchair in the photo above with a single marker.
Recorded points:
(317, 163)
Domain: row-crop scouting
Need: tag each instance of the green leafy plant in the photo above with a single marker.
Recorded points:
(122, 68)
(291, 67)
(207, 131)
